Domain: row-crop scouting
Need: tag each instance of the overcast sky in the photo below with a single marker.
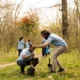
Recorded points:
(46, 13)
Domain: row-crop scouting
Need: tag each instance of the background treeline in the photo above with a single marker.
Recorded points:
(29, 26)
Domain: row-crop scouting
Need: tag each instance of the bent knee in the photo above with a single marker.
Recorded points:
(54, 57)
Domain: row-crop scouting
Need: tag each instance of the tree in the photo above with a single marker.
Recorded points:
(64, 19)
(8, 29)
(77, 23)
(29, 24)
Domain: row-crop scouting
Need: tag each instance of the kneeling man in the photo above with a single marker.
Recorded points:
(25, 57)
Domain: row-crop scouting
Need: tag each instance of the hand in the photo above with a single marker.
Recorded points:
(32, 54)
(33, 45)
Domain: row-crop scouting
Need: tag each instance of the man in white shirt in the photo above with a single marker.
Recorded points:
(25, 57)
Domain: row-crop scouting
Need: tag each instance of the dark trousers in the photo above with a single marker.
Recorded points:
(44, 51)
(23, 64)
(19, 51)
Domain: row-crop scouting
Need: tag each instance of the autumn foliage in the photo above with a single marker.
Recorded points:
(29, 22)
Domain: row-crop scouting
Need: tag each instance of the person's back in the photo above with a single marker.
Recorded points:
(21, 45)
(56, 40)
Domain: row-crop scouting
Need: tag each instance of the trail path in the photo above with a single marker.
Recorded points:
(13, 63)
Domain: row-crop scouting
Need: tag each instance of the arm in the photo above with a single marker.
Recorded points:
(42, 45)
(27, 56)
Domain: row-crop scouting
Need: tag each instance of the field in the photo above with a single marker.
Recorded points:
(70, 61)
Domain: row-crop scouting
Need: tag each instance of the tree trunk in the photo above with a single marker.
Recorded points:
(64, 19)
(77, 25)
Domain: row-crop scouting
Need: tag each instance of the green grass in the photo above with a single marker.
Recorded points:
(8, 57)
(70, 61)
(12, 56)
(38, 51)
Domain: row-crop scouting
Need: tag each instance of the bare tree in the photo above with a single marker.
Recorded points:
(18, 8)
(77, 23)
(64, 19)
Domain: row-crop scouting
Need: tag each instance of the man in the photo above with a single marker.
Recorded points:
(28, 43)
(60, 44)
(25, 57)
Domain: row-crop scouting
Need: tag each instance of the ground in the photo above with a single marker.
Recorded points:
(70, 60)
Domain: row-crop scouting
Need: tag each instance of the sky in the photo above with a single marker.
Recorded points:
(46, 14)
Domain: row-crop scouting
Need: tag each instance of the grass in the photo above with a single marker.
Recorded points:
(12, 56)
(8, 57)
(70, 61)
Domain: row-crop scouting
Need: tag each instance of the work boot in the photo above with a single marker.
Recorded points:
(22, 70)
(52, 71)
(61, 69)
